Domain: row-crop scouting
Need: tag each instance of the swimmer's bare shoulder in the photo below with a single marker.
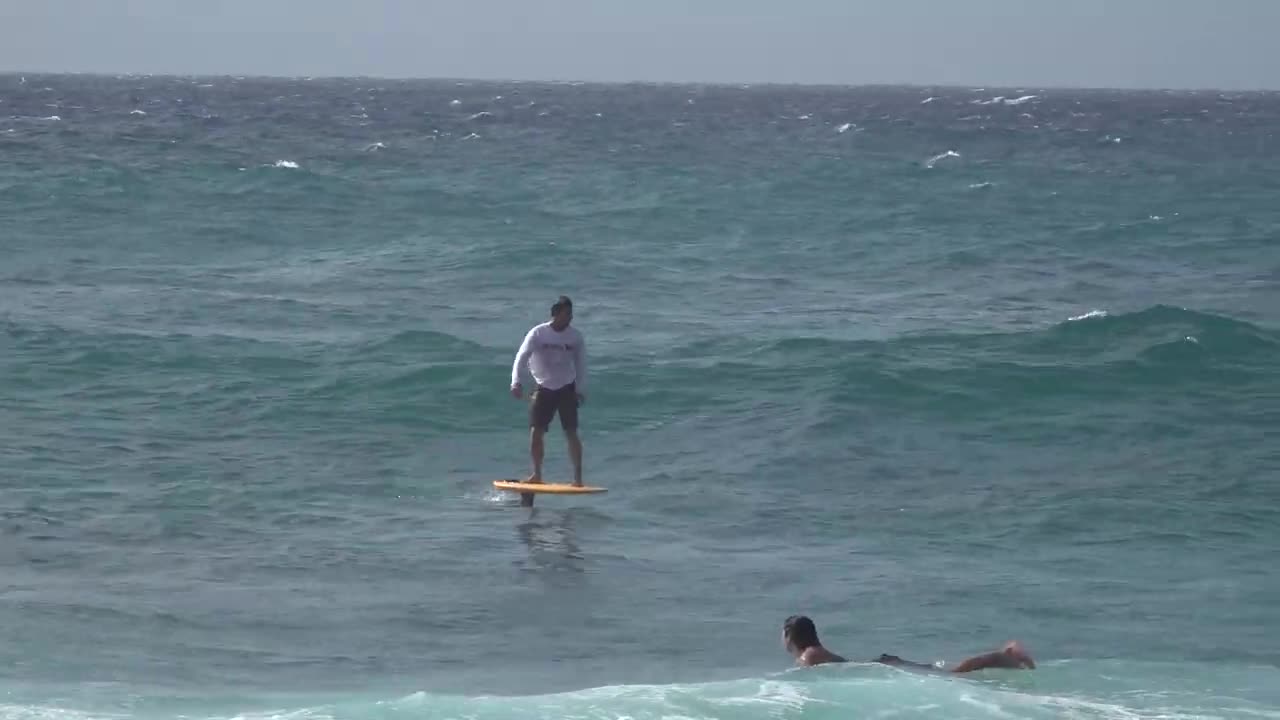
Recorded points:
(818, 655)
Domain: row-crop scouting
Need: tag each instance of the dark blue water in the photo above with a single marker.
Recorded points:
(939, 367)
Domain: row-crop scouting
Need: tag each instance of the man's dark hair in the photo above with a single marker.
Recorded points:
(562, 303)
(800, 631)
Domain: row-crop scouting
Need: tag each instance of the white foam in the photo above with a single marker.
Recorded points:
(1088, 316)
(937, 158)
(873, 692)
(1021, 100)
(28, 712)
(771, 694)
(287, 164)
(988, 707)
(844, 128)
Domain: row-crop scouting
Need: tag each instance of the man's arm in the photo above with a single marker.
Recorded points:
(522, 357)
(580, 365)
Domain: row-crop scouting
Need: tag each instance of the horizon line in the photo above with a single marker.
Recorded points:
(972, 87)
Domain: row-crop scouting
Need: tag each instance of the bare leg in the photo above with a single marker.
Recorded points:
(575, 455)
(1011, 656)
(535, 453)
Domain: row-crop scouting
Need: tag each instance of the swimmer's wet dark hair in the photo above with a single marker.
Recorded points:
(800, 631)
(561, 303)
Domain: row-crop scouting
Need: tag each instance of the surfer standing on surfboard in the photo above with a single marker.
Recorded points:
(557, 358)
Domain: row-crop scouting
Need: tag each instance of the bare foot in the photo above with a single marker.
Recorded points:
(534, 479)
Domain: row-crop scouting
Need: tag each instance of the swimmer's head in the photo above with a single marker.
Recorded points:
(799, 634)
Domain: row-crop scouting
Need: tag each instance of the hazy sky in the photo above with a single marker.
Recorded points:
(1226, 44)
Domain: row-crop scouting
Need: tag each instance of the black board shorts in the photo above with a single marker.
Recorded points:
(547, 403)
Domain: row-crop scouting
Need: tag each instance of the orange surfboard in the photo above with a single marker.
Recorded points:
(549, 488)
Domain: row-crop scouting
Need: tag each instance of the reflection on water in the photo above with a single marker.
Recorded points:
(552, 540)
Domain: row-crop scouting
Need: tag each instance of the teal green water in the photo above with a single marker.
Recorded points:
(939, 367)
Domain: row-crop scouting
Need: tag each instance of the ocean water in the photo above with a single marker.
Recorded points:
(939, 367)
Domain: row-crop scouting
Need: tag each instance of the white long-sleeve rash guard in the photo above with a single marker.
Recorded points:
(555, 358)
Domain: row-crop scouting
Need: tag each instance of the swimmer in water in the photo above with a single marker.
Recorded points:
(800, 638)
